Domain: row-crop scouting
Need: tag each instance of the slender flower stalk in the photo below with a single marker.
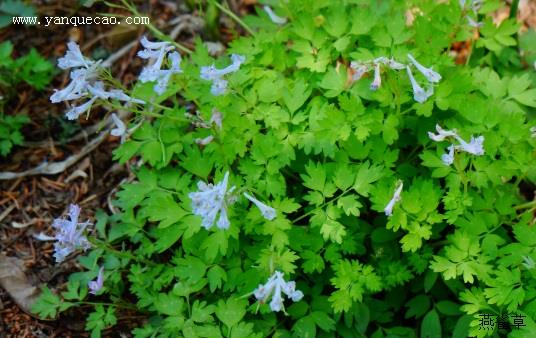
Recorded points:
(396, 197)
(267, 212)
(274, 287)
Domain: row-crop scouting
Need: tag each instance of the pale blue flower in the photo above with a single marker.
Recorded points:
(96, 285)
(275, 19)
(442, 134)
(448, 158)
(473, 23)
(211, 73)
(396, 197)
(360, 70)
(419, 94)
(274, 287)
(120, 127)
(377, 82)
(75, 112)
(156, 52)
(210, 201)
(73, 58)
(430, 75)
(204, 141)
(69, 234)
(267, 212)
(475, 146)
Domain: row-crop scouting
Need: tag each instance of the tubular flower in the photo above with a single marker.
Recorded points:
(210, 201)
(69, 234)
(274, 17)
(360, 70)
(475, 146)
(396, 197)
(120, 128)
(155, 52)
(211, 73)
(377, 78)
(430, 75)
(274, 286)
(449, 157)
(84, 75)
(267, 212)
(419, 94)
(441, 134)
(96, 285)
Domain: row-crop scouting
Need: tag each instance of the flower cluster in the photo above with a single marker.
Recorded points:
(474, 5)
(84, 83)
(96, 285)
(211, 73)
(69, 235)
(274, 286)
(475, 146)
(419, 93)
(396, 197)
(156, 52)
(212, 200)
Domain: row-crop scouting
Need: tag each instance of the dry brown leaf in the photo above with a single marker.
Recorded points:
(15, 282)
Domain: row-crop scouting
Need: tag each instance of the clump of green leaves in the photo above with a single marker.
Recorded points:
(328, 153)
(10, 135)
(31, 68)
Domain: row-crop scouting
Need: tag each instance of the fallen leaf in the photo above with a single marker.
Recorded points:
(15, 282)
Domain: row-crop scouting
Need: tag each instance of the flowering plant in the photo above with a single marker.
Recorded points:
(371, 213)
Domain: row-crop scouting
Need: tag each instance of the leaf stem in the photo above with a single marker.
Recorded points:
(233, 16)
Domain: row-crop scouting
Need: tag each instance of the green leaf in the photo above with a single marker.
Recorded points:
(296, 96)
(47, 304)
(323, 321)
(333, 230)
(230, 312)
(431, 326)
(334, 81)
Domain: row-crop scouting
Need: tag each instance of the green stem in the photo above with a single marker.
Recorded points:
(321, 206)
(233, 16)
(525, 205)
(513, 9)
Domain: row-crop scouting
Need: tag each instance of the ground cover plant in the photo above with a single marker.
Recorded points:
(335, 173)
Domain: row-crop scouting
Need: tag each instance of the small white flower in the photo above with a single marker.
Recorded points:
(431, 75)
(204, 141)
(218, 87)
(118, 94)
(377, 78)
(275, 19)
(419, 94)
(448, 158)
(69, 234)
(274, 287)
(442, 134)
(120, 128)
(396, 197)
(75, 89)
(475, 146)
(210, 201)
(533, 129)
(360, 70)
(96, 285)
(267, 212)
(391, 63)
